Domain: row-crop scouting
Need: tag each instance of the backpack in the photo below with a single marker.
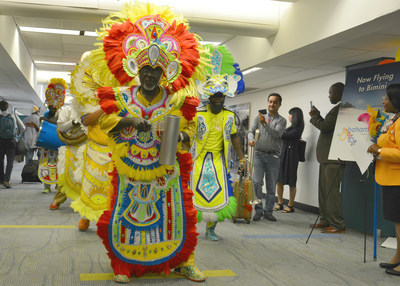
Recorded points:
(7, 128)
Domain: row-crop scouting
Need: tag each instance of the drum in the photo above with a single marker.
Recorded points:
(73, 136)
(48, 136)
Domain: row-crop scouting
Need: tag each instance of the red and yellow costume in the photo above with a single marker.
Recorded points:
(151, 225)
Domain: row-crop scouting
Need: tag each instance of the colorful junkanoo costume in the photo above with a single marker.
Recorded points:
(95, 184)
(70, 159)
(210, 178)
(151, 226)
(55, 96)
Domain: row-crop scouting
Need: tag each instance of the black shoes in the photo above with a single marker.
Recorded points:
(392, 272)
(269, 217)
(389, 268)
(257, 217)
(388, 265)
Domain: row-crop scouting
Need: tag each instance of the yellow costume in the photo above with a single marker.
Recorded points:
(210, 182)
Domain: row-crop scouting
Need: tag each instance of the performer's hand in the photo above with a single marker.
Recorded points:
(252, 143)
(183, 137)
(314, 111)
(142, 125)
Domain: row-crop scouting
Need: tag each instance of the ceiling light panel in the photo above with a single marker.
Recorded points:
(49, 31)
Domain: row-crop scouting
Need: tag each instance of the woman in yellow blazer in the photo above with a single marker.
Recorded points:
(387, 171)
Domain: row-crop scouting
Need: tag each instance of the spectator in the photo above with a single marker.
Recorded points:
(9, 127)
(387, 154)
(290, 159)
(32, 124)
(266, 155)
(330, 171)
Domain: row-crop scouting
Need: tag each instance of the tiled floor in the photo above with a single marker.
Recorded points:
(43, 247)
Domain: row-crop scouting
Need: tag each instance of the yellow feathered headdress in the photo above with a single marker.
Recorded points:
(55, 92)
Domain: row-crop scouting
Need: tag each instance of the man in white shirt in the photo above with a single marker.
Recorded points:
(32, 124)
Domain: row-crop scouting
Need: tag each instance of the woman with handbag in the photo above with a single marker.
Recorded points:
(387, 154)
(290, 159)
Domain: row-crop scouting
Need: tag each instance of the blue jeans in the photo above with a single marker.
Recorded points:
(268, 165)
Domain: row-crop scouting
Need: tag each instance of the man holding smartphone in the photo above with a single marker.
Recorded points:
(330, 171)
(267, 154)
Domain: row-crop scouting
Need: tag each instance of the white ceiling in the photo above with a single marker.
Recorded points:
(376, 39)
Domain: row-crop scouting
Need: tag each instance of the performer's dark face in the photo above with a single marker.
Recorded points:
(150, 77)
(218, 99)
(52, 110)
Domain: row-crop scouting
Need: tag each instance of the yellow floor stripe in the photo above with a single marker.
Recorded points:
(110, 276)
(37, 226)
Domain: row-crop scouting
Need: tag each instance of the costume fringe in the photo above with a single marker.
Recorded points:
(85, 211)
(124, 268)
(226, 213)
(189, 107)
(66, 188)
(107, 100)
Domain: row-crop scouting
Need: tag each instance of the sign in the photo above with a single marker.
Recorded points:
(364, 91)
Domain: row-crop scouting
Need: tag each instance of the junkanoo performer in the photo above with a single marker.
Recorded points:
(55, 96)
(95, 187)
(69, 165)
(216, 128)
(151, 226)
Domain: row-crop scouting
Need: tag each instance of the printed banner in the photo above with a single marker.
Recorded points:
(362, 100)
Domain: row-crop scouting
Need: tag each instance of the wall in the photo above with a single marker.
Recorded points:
(299, 94)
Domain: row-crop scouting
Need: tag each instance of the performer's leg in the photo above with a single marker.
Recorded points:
(83, 224)
(189, 269)
(58, 199)
(210, 231)
(47, 188)
(122, 270)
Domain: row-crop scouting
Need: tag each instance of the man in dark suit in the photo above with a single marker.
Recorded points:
(330, 171)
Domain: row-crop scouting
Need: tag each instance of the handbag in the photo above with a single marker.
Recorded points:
(20, 148)
(301, 150)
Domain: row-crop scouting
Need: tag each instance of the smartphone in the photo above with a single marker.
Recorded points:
(311, 104)
(263, 111)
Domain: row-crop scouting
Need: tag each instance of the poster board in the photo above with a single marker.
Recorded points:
(364, 87)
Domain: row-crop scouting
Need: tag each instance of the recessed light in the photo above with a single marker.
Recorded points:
(251, 70)
(55, 63)
(49, 31)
